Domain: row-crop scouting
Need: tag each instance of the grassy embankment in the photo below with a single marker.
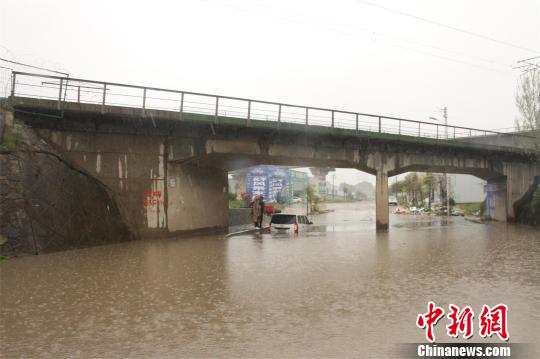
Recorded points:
(472, 208)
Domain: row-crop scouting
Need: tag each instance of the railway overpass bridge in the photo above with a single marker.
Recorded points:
(164, 154)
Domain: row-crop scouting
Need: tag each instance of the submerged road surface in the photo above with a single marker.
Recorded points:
(340, 290)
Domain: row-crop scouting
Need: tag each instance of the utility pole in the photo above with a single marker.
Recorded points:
(396, 189)
(333, 185)
(308, 189)
(445, 115)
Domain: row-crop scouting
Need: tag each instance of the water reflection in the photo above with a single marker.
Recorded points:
(339, 290)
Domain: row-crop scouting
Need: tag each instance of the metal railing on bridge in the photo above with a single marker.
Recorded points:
(66, 89)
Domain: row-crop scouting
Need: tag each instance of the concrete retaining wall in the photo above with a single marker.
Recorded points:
(155, 195)
(239, 216)
(46, 204)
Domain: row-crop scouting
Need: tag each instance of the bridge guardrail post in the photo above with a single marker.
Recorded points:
(144, 98)
(60, 93)
(14, 79)
(279, 116)
(418, 129)
(307, 116)
(356, 123)
(454, 133)
(79, 94)
(332, 119)
(399, 127)
(144, 102)
(379, 124)
(437, 131)
(181, 112)
(217, 109)
(248, 121)
(103, 99)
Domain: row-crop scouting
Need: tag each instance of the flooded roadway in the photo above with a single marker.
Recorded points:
(340, 291)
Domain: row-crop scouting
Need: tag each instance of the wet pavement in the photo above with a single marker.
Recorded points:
(340, 290)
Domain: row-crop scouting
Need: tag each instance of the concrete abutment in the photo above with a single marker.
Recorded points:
(156, 193)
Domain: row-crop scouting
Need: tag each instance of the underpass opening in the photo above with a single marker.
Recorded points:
(443, 193)
(309, 191)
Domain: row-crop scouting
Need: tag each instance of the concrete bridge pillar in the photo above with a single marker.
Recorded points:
(496, 193)
(198, 199)
(520, 183)
(382, 216)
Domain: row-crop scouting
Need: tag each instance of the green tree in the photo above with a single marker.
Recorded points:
(312, 200)
(429, 183)
(395, 188)
(528, 101)
(359, 195)
(347, 190)
(414, 187)
(398, 188)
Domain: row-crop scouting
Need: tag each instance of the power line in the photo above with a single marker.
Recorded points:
(463, 31)
(32, 66)
(375, 33)
(527, 65)
(529, 59)
(357, 35)
(532, 68)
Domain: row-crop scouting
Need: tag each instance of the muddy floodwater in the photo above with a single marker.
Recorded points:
(340, 290)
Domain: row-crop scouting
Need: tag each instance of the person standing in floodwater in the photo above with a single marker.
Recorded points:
(255, 211)
(261, 212)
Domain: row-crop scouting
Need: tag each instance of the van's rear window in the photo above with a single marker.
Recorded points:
(283, 219)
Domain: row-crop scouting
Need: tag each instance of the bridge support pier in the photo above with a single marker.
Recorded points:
(496, 193)
(520, 182)
(198, 198)
(381, 200)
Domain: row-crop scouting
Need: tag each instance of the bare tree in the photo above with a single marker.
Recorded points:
(528, 101)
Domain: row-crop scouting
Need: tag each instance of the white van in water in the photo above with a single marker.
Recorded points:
(288, 222)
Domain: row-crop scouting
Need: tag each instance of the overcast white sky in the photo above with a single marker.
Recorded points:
(341, 54)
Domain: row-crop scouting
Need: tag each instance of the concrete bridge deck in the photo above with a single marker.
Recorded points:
(69, 94)
(520, 143)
